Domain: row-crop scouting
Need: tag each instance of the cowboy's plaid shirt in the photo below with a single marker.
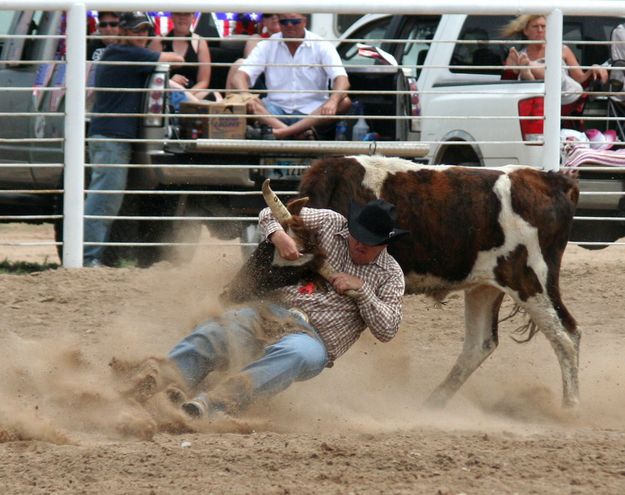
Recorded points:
(341, 319)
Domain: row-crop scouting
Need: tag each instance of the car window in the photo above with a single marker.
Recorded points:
(25, 22)
(589, 28)
(6, 16)
(481, 56)
(418, 31)
(344, 21)
(373, 31)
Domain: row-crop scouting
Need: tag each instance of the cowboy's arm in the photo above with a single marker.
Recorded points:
(380, 307)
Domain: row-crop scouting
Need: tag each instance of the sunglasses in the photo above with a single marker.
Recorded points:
(112, 24)
(292, 22)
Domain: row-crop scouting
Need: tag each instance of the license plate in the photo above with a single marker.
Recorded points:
(285, 168)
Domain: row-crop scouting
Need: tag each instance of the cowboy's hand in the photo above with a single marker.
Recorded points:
(328, 108)
(285, 245)
(342, 282)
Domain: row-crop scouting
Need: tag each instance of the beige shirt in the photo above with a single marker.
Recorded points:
(340, 319)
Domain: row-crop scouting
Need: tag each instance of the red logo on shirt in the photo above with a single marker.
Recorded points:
(309, 288)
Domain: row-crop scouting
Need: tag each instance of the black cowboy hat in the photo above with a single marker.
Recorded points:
(134, 20)
(374, 223)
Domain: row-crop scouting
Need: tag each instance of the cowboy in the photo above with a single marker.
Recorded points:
(269, 345)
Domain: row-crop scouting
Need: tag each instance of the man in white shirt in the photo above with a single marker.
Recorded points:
(305, 63)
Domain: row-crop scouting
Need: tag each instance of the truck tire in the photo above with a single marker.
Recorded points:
(457, 154)
(596, 231)
(153, 231)
(168, 231)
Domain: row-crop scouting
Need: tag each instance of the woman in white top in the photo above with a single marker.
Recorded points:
(533, 28)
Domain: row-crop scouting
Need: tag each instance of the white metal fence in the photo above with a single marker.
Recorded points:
(45, 138)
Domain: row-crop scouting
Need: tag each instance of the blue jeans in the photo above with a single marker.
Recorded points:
(281, 113)
(176, 98)
(103, 179)
(260, 370)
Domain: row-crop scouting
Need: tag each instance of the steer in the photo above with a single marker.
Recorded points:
(486, 232)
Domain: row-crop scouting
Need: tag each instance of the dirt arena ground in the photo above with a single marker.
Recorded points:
(359, 428)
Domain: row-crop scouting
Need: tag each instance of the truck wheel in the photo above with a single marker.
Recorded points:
(459, 155)
(168, 231)
(122, 231)
(596, 231)
(152, 231)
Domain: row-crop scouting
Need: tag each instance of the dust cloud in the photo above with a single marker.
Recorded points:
(62, 328)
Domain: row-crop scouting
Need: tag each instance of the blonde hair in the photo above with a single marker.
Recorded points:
(517, 25)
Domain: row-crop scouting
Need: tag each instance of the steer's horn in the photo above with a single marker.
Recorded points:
(327, 271)
(277, 207)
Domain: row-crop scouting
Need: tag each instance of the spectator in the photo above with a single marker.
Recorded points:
(195, 79)
(135, 26)
(108, 28)
(532, 58)
(270, 25)
(302, 61)
(268, 346)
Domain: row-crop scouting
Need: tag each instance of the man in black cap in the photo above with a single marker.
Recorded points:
(300, 329)
(107, 130)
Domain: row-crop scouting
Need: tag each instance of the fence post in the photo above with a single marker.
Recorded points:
(74, 172)
(553, 86)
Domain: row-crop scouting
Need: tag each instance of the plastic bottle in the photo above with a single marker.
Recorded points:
(341, 131)
(361, 129)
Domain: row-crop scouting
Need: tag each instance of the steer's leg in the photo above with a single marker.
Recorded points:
(481, 316)
(565, 343)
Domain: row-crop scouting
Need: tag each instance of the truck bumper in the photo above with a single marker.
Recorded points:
(231, 162)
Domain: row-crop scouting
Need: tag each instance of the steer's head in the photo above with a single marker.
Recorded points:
(265, 270)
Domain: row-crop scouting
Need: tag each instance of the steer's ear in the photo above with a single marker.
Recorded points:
(296, 205)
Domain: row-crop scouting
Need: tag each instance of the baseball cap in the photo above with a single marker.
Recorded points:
(134, 20)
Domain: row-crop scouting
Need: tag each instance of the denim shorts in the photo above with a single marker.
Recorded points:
(289, 118)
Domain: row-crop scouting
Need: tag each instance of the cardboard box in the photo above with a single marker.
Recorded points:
(228, 121)
(222, 121)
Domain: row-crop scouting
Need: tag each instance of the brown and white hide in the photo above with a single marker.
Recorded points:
(487, 232)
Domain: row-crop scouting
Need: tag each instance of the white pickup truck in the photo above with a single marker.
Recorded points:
(446, 97)
(464, 110)
(215, 182)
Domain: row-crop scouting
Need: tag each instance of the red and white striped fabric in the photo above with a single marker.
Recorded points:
(580, 154)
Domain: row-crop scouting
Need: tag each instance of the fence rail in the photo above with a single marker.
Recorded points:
(46, 92)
